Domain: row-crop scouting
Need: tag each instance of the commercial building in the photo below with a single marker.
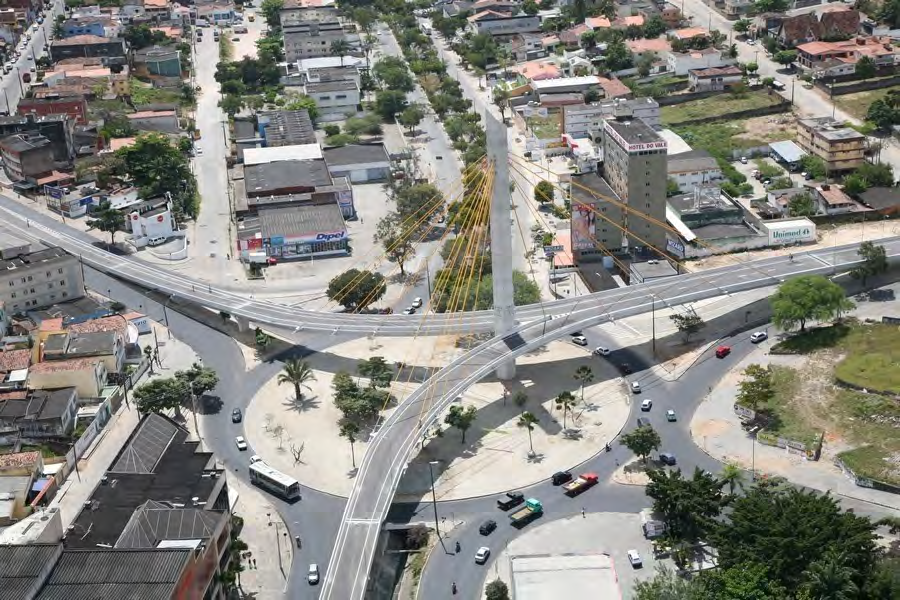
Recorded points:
(634, 165)
(693, 169)
(159, 60)
(586, 120)
(709, 222)
(681, 63)
(789, 231)
(153, 219)
(285, 128)
(26, 157)
(31, 279)
(311, 39)
(335, 99)
(113, 50)
(295, 232)
(360, 163)
(841, 148)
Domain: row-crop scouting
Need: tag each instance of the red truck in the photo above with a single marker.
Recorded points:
(586, 480)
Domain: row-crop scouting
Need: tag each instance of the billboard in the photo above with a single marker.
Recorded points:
(790, 232)
(584, 230)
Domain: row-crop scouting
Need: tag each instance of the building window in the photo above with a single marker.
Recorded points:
(11, 283)
(30, 278)
(13, 295)
(62, 282)
(65, 294)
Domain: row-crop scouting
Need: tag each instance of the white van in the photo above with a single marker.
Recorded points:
(240, 29)
(156, 241)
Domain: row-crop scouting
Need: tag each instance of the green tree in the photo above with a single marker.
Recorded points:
(874, 262)
(742, 25)
(751, 67)
(350, 430)
(496, 590)
(461, 418)
(107, 219)
(231, 104)
(688, 324)
(756, 389)
(297, 373)
(666, 585)
(158, 395)
(618, 56)
(865, 68)
(813, 166)
(688, 507)
(530, 7)
(520, 399)
(377, 371)
(876, 175)
(565, 401)
(303, 102)
(642, 441)
(393, 74)
(417, 200)
(770, 6)
(831, 578)
(389, 102)
(801, 205)
(654, 27)
(672, 188)
(500, 98)
(527, 420)
(741, 582)
(396, 242)
(583, 375)
(788, 530)
(148, 356)
(785, 57)
(854, 185)
(270, 48)
(355, 403)
(411, 116)
(271, 12)
(733, 476)
(882, 114)
(199, 379)
(141, 35)
(157, 167)
(588, 39)
(806, 298)
(543, 192)
(356, 290)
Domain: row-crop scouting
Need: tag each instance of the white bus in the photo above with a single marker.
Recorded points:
(274, 481)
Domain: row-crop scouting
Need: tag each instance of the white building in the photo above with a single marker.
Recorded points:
(680, 63)
(714, 78)
(334, 99)
(789, 231)
(693, 169)
(157, 222)
(360, 163)
(580, 120)
(495, 23)
(31, 279)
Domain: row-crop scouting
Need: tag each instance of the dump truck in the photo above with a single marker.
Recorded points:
(584, 481)
(533, 508)
(509, 500)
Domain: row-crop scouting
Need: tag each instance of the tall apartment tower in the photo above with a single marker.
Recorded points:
(634, 165)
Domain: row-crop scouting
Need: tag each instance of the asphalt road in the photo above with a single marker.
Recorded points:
(13, 88)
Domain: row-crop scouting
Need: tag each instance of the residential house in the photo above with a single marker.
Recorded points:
(524, 46)
(715, 78)
(86, 375)
(497, 23)
(571, 38)
(831, 200)
(565, 85)
(614, 88)
(113, 50)
(841, 148)
(158, 10)
(172, 32)
(657, 46)
(538, 70)
(74, 106)
(883, 200)
(335, 99)
(18, 470)
(313, 39)
(163, 121)
(780, 200)
(101, 26)
(298, 11)
(159, 60)
(736, 9)
(42, 413)
(32, 279)
(107, 346)
(688, 33)
(9, 26)
(66, 88)
(131, 9)
(94, 75)
(59, 129)
(831, 59)
(216, 11)
(334, 68)
(835, 23)
(120, 85)
(694, 169)
(26, 157)
(679, 63)
(500, 6)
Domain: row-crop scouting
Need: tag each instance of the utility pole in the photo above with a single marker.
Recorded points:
(501, 240)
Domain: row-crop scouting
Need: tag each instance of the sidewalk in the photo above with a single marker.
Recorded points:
(99, 456)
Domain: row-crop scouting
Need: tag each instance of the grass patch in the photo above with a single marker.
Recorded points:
(544, 128)
(143, 93)
(785, 420)
(874, 421)
(873, 463)
(858, 104)
(873, 354)
(812, 340)
(720, 104)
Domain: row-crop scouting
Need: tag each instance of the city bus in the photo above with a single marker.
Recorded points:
(275, 482)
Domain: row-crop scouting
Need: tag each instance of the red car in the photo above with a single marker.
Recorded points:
(723, 351)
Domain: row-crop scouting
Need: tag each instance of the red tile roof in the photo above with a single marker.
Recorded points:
(13, 360)
(19, 460)
(59, 366)
(110, 323)
(614, 88)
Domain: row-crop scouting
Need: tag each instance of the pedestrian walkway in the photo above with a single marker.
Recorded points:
(78, 488)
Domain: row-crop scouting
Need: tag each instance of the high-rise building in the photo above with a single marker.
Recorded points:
(634, 165)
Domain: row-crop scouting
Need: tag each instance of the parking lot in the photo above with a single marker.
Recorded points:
(759, 190)
(598, 542)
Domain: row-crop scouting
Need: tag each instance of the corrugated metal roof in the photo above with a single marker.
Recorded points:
(147, 446)
(94, 567)
(21, 567)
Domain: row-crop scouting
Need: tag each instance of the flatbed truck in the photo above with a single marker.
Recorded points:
(532, 509)
(584, 481)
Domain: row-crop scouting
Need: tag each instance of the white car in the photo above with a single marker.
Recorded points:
(409, 311)
(198, 150)
(255, 459)
(417, 303)
(758, 337)
(601, 351)
(635, 387)
(751, 42)
(579, 340)
(482, 555)
(635, 559)
(646, 404)
(312, 576)
(241, 443)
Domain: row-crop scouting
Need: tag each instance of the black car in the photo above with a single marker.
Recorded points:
(487, 527)
(509, 500)
(667, 458)
(236, 416)
(626, 369)
(561, 477)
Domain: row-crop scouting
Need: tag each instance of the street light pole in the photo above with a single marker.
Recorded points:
(653, 321)
(433, 496)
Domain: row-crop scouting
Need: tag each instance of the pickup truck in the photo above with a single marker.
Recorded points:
(533, 508)
(586, 480)
(510, 499)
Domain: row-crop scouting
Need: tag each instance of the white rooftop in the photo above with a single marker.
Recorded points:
(675, 143)
(190, 544)
(17, 375)
(550, 577)
(326, 62)
(258, 156)
(549, 84)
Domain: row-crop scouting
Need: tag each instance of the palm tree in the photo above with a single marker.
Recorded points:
(528, 421)
(733, 476)
(296, 373)
(584, 376)
(566, 400)
(340, 48)
(349, 430)
(520, 399)
(829, 578)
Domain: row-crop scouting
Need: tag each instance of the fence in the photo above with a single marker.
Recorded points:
(866, 482)
(781, 107)
(861, 86)
(682, 98)
(811, 451)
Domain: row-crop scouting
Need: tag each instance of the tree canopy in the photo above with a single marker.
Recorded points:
(807, 298)
(158, 395)
(356, 290)
(875, 261)
(642, 441)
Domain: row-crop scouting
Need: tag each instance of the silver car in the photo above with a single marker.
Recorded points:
(758, 337)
